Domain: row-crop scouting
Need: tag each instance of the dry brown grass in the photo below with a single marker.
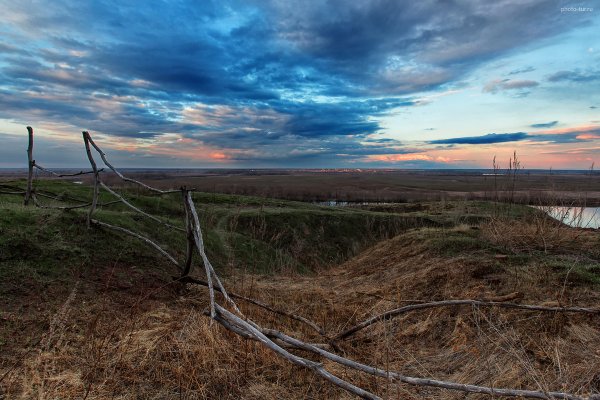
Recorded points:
(123, 345)
(538, 233)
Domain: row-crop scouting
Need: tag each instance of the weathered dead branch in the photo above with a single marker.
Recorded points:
(143, 238)
(312, 325)
(448, 303)
(247, 328)
(109, 165)
(128, 204)
(30, 166)
(36, 165)
(86, 141)
(252, 330)
(56, 197)
(39, 205)
(189, 251)
(199, 242)
(275, 340)
(6, 192)
(396, 376)
(11, 187)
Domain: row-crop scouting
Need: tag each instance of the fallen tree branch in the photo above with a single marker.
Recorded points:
(12, 187)
(120, 175)
(3, 192)
(189, 251)
(145, 239)
(199, 242)
(247, 329)
(446, 303)
(30, 163)
(96, 191)
(236, 326)
(396, 376)
(37, 203)
(152, 217)
(248, 336)
(312, 325)
(36, 165)
(250, 328)
(276, 340)
(56, 197)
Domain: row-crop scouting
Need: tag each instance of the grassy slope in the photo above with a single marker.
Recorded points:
(124, 289)
(252, 232)
(43, 251)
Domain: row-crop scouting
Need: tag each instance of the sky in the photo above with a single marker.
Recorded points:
(310, 84)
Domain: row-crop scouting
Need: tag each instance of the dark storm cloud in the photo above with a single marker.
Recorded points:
(86, 112)
(401, 47)
(544, 125)
(292, 131)
(216, 48)
(346, 118)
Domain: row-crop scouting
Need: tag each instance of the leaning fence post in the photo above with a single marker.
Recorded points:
(30, 164)
(189, 234)
(86, 141)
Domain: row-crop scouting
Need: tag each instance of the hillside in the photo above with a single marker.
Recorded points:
(95, 314)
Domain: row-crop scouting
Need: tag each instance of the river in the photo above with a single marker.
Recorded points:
(580, 217)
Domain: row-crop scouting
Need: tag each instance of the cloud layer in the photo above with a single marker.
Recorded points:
(266, 82)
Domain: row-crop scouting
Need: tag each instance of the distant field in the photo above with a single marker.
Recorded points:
(95, 313)
(529, 186)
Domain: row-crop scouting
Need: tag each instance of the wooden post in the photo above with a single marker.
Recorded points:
(190, 235)
(30, 164)
(86, 141)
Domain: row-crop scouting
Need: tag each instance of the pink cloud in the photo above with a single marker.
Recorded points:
(573, 129)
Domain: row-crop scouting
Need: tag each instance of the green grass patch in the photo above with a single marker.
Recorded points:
(251, 233)
(576, 271)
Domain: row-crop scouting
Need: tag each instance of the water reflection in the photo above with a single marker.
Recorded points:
(579, 217)
(342, 203)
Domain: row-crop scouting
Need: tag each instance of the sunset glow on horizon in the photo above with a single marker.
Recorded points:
(273, 84)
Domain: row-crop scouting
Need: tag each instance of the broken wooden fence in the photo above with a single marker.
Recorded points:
(231, 318)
